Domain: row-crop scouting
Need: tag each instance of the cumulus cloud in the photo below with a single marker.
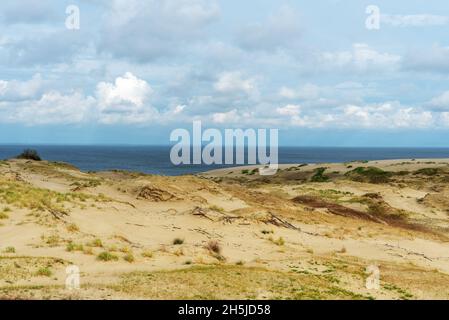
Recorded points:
(21, 90)
(226, 117)
(307, 92)
(417, 20)
(440, 103)
(126, 100)
(52, 108)
(125, 91)
(235, 82)
(289, 110)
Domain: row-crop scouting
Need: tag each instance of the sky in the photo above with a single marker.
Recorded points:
(136, 70)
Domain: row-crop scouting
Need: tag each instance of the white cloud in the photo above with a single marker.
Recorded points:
(433, 59)
(306, 92)
(440, 102)
(361, 58)
(289, 110)
(52, 108)
(417, 20)
(159, 28)
(234, 82)
(281, 30)
(125, 91)
(126, 100)
(19, 90)
(226, 117)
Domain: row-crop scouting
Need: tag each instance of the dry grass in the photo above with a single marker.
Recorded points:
(229, 282)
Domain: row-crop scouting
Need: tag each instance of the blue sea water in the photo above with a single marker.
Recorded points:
(156, 159)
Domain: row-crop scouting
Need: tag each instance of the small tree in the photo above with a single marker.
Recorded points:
(29, 154)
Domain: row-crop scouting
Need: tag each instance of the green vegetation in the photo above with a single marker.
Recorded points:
(44, 272)
(230, 282)
(88, 183)
(279, 242)
(178, 241)
(319, 175)
(74, 247)
(73, 228)
(29, 154)
(23, 195)
(10, 250)
(107, 256)
(147, 254)
(217, 209)
(428, 171)
(369, 174)
(129, 257)
(97, 243)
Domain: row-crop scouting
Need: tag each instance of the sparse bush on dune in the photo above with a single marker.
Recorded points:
(178, 241)
(29, 154)
(428, 171)
(44, 272)
(129, 257)
(319, 176)
(10, 250)
(214, 246)
(369, 174)
(107, 256)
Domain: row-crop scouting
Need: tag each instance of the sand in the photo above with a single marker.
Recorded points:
(304, 233)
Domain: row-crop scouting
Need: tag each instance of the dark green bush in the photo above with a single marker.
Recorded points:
(29, 154)
(319, 175)
(369, 174)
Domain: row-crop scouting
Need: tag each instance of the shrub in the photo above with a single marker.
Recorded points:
(73, 228)
(253, 172)
(74, 247)
(147, 254)
(3, 216)
(214, 246)
(129, 257)
(370, 174)
(29, 154)
(96, 243)
(107, 256)
(10, 250)
(178, 241)
(44, 272)
(217, 208)
(278, 242)
(428, 171)
(319, 175)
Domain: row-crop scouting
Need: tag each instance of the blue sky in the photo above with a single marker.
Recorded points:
(135, 70)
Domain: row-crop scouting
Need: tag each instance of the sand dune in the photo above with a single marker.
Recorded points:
(309, 232)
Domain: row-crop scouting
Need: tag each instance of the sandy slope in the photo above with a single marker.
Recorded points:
(243, 235)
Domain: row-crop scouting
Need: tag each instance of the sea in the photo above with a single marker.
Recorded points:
(156, 159)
